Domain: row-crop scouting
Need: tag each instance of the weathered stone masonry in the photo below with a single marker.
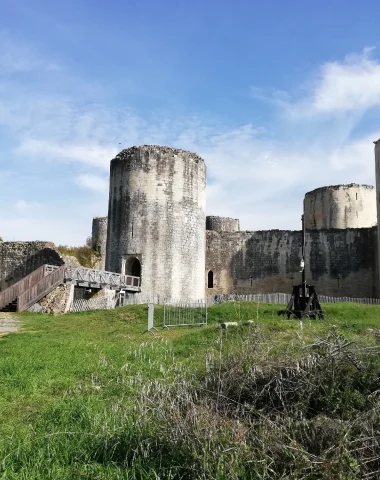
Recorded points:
(157, 216)
(377, 173)
(342, 262)
(222, 224)
(99, 239)
(341, 248)
(340, 206)
(18, 259)
(156, 229)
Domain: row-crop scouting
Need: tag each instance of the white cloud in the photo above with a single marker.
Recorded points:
(49, 221)
(19, 58)
(353, 84)
(25, 205)
(257, 174)
(93, 182)
(253, 177)
(93, 155)
(339, 87)
(279, 98)
(58, 229)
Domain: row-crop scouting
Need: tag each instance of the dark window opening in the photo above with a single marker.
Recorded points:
(210, 279)
(133, 267)
(356, 196)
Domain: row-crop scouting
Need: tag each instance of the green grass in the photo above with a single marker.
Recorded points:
(75, 389)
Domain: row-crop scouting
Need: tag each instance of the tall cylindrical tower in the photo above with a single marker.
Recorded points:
(222, 224)
(340, 206)
(156, 220)
(99, 238)
(377, 173)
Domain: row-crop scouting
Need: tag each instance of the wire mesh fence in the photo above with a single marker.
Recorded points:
(178, 314)
(126, 298)
(103, 303)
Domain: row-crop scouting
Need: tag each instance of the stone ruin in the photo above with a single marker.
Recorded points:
(157, 229)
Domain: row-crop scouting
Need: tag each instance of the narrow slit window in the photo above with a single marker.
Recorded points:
(210, 279)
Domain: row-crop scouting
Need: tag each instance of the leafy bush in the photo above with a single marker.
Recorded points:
(85, 255)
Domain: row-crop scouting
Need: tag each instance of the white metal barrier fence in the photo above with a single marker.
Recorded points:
(178, 314)
(126, 298)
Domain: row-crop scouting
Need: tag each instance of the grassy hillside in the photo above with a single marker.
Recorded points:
(90, 396)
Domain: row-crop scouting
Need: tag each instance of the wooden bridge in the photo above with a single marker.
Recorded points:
(23, 294)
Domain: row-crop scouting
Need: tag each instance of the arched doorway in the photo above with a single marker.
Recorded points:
(133, 267)
(210, 279)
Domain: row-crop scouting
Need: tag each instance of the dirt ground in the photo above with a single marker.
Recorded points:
(8, 324)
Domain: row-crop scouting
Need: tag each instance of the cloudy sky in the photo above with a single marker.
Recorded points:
(278, 97)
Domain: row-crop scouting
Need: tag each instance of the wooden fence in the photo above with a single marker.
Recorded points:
(109, 303)
(283, 299)
(40, 289)
(11, 293)
(32, 287)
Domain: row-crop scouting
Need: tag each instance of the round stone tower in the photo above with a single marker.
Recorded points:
(222, 224)
(340, 206)
(156, 220)
(99, 238)
(377, 172)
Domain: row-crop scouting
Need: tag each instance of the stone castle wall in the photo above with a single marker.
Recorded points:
(377, 173)
(18, 259)
(340, 206)
(156, 220)
(157, 216)
(222, 224)
(269, 261)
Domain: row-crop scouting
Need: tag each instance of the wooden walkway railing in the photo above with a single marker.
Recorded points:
(10, 294)
(41, 289)
(47, 277)
(100, 278)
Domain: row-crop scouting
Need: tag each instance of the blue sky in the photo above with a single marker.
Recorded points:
(278, 97)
